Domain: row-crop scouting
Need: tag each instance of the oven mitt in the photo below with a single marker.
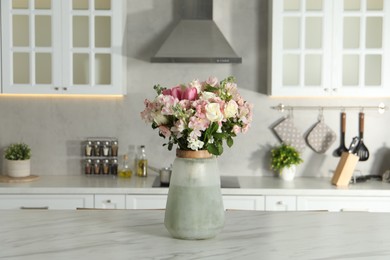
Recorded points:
(321, 137)
(289, 134)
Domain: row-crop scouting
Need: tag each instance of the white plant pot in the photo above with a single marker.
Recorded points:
(18, 168)
(288, 173)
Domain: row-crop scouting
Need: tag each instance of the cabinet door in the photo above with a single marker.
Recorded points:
(45, 201)
(31, 46)
(231, 202)
(371, 204)
(301, 48)
(109, 201)
(361, 47)
(146, 201)
(92, 46)
(62, 46)
(280, 203)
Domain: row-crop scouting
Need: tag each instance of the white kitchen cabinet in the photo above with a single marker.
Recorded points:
(146, 201)
(62, 47)
(236, 202)
(343, 203)
(110, 201)
(35, 201)
(280, 203)
(330, 48)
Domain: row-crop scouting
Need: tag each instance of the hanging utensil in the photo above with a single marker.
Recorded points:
(342, 148)
(362, 150)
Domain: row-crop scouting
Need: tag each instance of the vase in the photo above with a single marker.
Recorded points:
(288, 173)
(194, 207)
(18, 168)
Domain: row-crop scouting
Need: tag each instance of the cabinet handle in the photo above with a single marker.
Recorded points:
(40, 208)
(108, 201)
(326, 89)
(334, 89)
(65, 89)
(57, 88)
(279, 203)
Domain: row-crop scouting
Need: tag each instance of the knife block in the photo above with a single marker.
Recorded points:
(344, 170)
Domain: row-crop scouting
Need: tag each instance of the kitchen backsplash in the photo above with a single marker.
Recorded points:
(55, 126)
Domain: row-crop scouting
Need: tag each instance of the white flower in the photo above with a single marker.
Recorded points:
(213, 112)
(194, 144)
(231, 109)
(206, 95)
(196, 84)
(159, 118)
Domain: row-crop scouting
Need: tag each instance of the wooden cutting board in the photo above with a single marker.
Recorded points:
(8, 179)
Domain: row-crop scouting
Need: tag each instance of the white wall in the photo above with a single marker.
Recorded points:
(55, 126)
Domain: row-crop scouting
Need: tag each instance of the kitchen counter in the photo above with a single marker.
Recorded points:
(137, 185)
(139, 234)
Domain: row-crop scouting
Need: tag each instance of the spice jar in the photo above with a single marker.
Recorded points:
(106, 167)
(97, 148)
(88, 148)
(106, 149)
(96, 167)
(114, 148)
(114, 167)
(88, 167)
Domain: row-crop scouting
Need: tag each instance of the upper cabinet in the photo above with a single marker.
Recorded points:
(62, 47)
(330, 48)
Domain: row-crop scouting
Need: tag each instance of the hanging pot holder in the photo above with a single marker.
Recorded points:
(289, 134)
(321, 137)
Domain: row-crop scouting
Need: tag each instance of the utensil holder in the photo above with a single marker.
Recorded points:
(345, 168)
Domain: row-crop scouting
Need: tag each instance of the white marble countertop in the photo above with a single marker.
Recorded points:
(136, 185)
(137, 234)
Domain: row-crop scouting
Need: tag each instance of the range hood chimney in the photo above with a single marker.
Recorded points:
(196, 38)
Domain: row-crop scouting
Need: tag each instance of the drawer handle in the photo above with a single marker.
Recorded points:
(39, 208)
(279, 202)
(108, 201)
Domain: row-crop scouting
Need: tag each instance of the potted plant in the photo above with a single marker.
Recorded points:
(17, 157)
(284, 160)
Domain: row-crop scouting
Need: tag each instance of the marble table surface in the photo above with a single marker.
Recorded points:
(140, 234)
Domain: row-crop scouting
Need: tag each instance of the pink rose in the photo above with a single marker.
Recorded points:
(167, 92)
(190, 93)
(176, 92)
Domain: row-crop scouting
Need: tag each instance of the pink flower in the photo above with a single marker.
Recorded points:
(167, 92)
(176, 92)
(190, 93)
(212, 81)
(236, 129)
(164, 131)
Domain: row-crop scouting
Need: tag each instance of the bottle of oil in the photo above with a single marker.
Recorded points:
(125, 171)
(142, 162)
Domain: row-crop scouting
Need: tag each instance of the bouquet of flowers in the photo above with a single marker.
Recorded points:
(199, 115)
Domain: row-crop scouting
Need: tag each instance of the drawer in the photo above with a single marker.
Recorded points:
(46, 201)
(110, 201)
(232, 202)
(146, 201)
(280, 203)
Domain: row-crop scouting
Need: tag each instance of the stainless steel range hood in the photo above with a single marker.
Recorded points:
(196, 38)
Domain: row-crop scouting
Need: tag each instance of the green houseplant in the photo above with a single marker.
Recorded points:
(284, 159)
(17, 158)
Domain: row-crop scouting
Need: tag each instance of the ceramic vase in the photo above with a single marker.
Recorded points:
(288, 173)
(194, 207)
(18, 168)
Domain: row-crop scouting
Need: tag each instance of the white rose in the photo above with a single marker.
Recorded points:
(196, 84)
(194, 144)
(231, 109)
(207, 95)
(159, 119)
(213, 112)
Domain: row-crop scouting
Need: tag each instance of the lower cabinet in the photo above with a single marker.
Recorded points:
(146, 201)
(341, 203)
(280, 203)
(238, 202)
(37, 202)
(110, 201)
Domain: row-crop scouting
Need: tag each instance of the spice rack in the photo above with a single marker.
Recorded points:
(100, 156)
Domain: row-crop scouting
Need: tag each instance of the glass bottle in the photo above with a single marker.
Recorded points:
(114, 167)
(88, 167)
(125, 171)
(106, 167)
(88, 148)
(142, 162)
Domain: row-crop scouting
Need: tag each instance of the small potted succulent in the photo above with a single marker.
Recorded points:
(284, 160)
(17, 157)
